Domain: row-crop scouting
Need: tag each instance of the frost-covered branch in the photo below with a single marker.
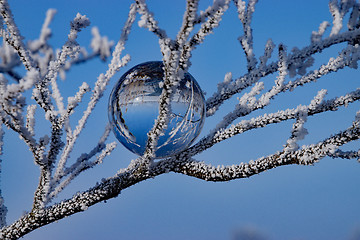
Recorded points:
(83, 163)
(248, 103)
(42, 96)
(307, 155)
(245, 16)
(227, 91)
(100, 85)
(298, 131)
(13, 37)
(213, 18)
(346, 154)
(3, 209)
(176, 59)
(70, 49)
(266, 119)
(45, 33)
(147, 20)
(338, 11)
(44, 66)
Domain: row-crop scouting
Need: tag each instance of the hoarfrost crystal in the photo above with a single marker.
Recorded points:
(134, 107)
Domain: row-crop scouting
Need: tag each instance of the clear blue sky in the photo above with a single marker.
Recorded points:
(292, 202)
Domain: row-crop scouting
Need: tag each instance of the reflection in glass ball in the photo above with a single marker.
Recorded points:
(134, 107)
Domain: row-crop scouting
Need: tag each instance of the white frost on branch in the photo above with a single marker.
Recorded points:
(269, 48)
(45, 33)
(245, 16)
(3, 209)
(74, 101)
(346, 154)
(100, 45)
(176, 59)
(354, 20)
(30, 119)
(213, 103)
(99, 88)
(317, 36)
(52, 151)
(338, 11)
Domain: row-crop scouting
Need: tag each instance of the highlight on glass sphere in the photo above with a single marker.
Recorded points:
(134, 107)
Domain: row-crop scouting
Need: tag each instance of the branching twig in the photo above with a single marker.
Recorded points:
(51, 152)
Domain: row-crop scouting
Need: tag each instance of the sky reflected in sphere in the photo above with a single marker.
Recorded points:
(134, 107)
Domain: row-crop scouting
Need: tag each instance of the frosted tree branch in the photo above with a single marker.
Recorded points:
(147, 20)
(346, 154)
(226, 92)
(213, 19)
(262, 121)
(245, 16)
(176, 60)
(52, 152)
(3, 209)
(13, 37)
(114, 66)
(83, 163)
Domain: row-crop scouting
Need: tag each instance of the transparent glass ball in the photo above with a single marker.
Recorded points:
(134, 107)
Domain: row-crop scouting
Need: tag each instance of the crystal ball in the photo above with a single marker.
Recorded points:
(134, 108)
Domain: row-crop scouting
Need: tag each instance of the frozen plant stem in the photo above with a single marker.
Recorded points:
(52, 151)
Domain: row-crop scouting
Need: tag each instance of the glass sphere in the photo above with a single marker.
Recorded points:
(134, 107)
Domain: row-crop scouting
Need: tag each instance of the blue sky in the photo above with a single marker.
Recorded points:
(291, 202)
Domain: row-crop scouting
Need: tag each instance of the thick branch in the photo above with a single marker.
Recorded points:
(110, 188)
(306, 155)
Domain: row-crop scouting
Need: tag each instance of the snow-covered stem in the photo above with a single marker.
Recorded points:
(317, 36)
(280, 79)
(42, 96)
(3, 209)
(171, 62)
(100, 86)
(70, 49)
(266, 119)
(219, 8)
(269, 48)
(307, 155)
(170, 80)
(147, 20)
(50, 150)
(236, 86)
(100, 45)
(246, 41)
(74, 101)
(184, 33)
(346, 154)
(13, 36)
(298, 131)
(188, 22)
(338, 11)
(112, 187)
(82, 163)
(30, 119)
(109, 188)
(85, 157)
(11, 109)
(354, 17)
(247, 104)
(45, 32)
(344, 59)
(176, 61)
